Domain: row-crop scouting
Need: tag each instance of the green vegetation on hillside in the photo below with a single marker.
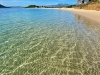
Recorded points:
(32, 6)
(71, 6)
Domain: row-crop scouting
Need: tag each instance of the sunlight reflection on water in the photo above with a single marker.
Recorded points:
(48, 42)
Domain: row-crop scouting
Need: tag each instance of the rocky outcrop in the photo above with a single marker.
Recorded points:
(1, 6)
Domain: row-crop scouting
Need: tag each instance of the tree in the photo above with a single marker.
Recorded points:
(32, 6)
(82, 1)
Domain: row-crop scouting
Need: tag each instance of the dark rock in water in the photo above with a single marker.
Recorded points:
(2, 6)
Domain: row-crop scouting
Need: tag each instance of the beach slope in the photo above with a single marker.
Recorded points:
(90, 14)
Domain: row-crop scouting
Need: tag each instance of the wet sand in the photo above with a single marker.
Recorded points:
(90, 14)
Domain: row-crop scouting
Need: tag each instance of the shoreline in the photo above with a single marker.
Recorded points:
(93, 15)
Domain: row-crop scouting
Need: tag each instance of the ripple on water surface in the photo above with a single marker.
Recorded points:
(48, 42)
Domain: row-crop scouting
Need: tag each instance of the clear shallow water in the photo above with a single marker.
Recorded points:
(48, 42)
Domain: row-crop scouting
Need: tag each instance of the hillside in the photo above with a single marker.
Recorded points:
(89, 6)
(32, 6)
(58, 5)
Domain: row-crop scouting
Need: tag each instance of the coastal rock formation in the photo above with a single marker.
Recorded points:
(1, 6)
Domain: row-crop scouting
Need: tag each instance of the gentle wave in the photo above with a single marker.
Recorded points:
(48, 42)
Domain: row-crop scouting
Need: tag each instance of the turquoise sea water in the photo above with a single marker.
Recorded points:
(48, 42)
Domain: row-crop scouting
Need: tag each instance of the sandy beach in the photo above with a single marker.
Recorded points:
(90, 14)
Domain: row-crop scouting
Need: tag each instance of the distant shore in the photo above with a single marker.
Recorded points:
(90, 14)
